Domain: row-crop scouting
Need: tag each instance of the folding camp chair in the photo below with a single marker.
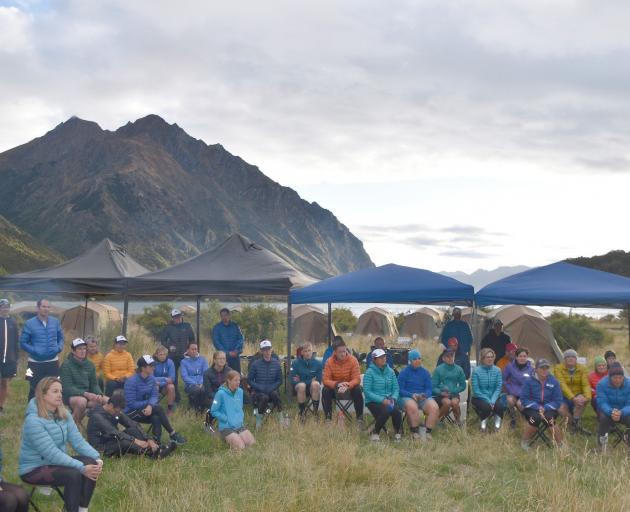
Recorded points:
(620, 434)
(46, 491)
(209, 423)
(343, 401)
(541, 434)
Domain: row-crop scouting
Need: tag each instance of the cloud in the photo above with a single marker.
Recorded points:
(612, 164)
(465, 254)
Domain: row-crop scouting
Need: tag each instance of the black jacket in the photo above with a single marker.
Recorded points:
(496, 343)
(102, 427)
(9, 340)
(176, 338)
(213, 380)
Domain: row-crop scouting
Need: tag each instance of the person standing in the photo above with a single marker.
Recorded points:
(496, 339)
(42, 339)
(176, 336)
(227, 337)
(460, 330)
(8, 350)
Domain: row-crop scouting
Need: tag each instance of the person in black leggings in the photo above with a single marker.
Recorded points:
(12, 497)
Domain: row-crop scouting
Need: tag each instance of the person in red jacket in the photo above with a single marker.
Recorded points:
(601, 370)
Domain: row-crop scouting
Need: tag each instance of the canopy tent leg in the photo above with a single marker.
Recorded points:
(125, 314)
(287, 387)
(476, 338)
(85, 316)
(329, 324)
(198, 321)
(628, 313)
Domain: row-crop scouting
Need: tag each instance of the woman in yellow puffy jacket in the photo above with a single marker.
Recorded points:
(118, 366)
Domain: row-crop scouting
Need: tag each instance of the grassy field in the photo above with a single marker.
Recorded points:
(317, 467)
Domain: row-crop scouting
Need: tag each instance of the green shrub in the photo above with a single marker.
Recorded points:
(154, 318)
(344, 320)
(576, 331)
(260, 322)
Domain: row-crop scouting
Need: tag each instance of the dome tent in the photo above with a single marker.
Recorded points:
(377, 322)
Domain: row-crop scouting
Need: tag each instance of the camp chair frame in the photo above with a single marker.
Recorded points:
(621, 434)
(541, 434)
(344, 401)
(34, 487)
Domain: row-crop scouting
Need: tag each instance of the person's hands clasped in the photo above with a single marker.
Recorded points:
(92, 471)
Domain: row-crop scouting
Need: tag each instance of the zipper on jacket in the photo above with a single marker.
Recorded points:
(6, 340)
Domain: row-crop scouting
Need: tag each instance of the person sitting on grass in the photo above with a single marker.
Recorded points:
(117, 366)
(141, 395)
(94, 355)
(104, 435)
(12, 497)
(447, 382)
(613, 402)
(342, 375)
(227, 407)
(193, 366)
(306, 377)
(78, 379)
(576, 390)
(44, 459)
(164, 374)
(416, 391)
(381, 395)
(265, 378)
(514, 376)
(541, 397)
(486, 390)
(601, 370)
(510, 355)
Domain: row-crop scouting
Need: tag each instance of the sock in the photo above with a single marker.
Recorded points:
(316, 405)
(429, 430)
(302, 407)
(83, 509)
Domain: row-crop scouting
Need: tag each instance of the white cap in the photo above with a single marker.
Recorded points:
(77, 342)
(121, 339)
(379, 352)
(145, 360)
(175, 312)
(265, 344)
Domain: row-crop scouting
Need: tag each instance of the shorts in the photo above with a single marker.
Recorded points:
(439, 398)
(228, 431)
(535, 419)
(568, 403)
(421, 403)
(8, 370)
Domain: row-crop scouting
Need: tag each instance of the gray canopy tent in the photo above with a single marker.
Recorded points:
(102, 270)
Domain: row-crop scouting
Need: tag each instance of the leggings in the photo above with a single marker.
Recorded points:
(484, 409)
(41, 370)
(77, 489)
(262, 400)
(13, 498)
(381, 415)
(119, 447)
(158, 419)
(355, 394)
(605, 423)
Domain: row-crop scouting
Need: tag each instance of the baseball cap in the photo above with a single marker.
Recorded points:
(77, 342)
(4, 303)
(615, 369)
(379, 352)
(569, 353)
(448, 352)
(497, 321)
(265, 344)
(510, 347)
(175, 312)
(452, 342)
(120, 339)
(145, 360)
(543, 363)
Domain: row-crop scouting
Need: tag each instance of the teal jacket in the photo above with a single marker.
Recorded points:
(379, 384)
(303, 370)
(227, 407)
(448, 376)
(486, 383)
(44, 442)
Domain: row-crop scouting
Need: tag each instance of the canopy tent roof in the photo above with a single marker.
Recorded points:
(236, 267)
(387, 284)
(558, 284)
(101, 270)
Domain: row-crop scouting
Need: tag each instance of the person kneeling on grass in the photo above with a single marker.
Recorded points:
(306, 377)
(541, 397)
(486, 390)
(193, 367)
(448, 381)
(613, 402)
(103, 433)
(265, 377)
(165, 377)
(44, 459)
(415, 395)
(227, 407)
(381, 394)
(141, 394)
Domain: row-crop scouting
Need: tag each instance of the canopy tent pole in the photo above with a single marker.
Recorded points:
(628, 314)
(198, 321)
(329, 324)
(85, 316)
(289, 334)
(476, 339)
(125, 314)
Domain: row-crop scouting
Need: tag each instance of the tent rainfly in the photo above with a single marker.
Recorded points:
(421, 323)
(96, 318)
(377, 322)
(310, 324)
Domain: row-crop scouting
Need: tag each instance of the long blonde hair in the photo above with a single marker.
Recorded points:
(61, 413)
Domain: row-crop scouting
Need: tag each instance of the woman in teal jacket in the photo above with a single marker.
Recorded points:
(486, 390)
(448, 381)
(227, 407)
(380, 387)
(43, 455)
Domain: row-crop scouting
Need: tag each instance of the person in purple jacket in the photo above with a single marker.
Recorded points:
(514, 375)
(141, 394)
(165, 376)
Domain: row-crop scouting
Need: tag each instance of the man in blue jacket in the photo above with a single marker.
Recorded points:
(457, 328)
(8, 350)
(265, 377)
(42, 339)
(227, 337)
(613, 402)
(141, 395)
(193, 367)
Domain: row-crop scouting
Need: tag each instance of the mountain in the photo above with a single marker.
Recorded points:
(164, 195)
(480, 278)
(617, 262)
(20, 252)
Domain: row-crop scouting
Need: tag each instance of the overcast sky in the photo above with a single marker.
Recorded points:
(446, 135)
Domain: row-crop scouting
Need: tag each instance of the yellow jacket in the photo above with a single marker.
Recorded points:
(118, 364)
(97, 360)
(572, 385)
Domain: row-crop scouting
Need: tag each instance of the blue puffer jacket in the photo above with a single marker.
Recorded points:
(192, 370)
(486, 383)
(140, 392)
(265, 376)
(227, 407)
(163, 371)
(609, 397)
(535, 396)
(379, 384)
(227, 338)
(42, 343)
(303, 370)
(460, 330)
(415, 380)
(327, 353)
(44, 442)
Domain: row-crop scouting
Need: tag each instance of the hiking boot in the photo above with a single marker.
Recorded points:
(602, 442)
(360, 425)
(375, 438)
(416, 436)
(497, 422)
(397, 438)
(177, 438)
(484, 425)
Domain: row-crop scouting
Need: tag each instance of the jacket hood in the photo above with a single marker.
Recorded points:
(31, 408)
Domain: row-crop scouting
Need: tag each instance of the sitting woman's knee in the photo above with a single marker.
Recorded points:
(315, 386)
(300, 387)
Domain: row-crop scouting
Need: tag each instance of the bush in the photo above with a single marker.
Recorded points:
(575, 331)
(261, 322)
(153, 319)
(400, 320)
(344, 320)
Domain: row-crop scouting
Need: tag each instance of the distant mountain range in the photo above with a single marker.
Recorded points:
(617, 262)
(161, 193)
(480, 278)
